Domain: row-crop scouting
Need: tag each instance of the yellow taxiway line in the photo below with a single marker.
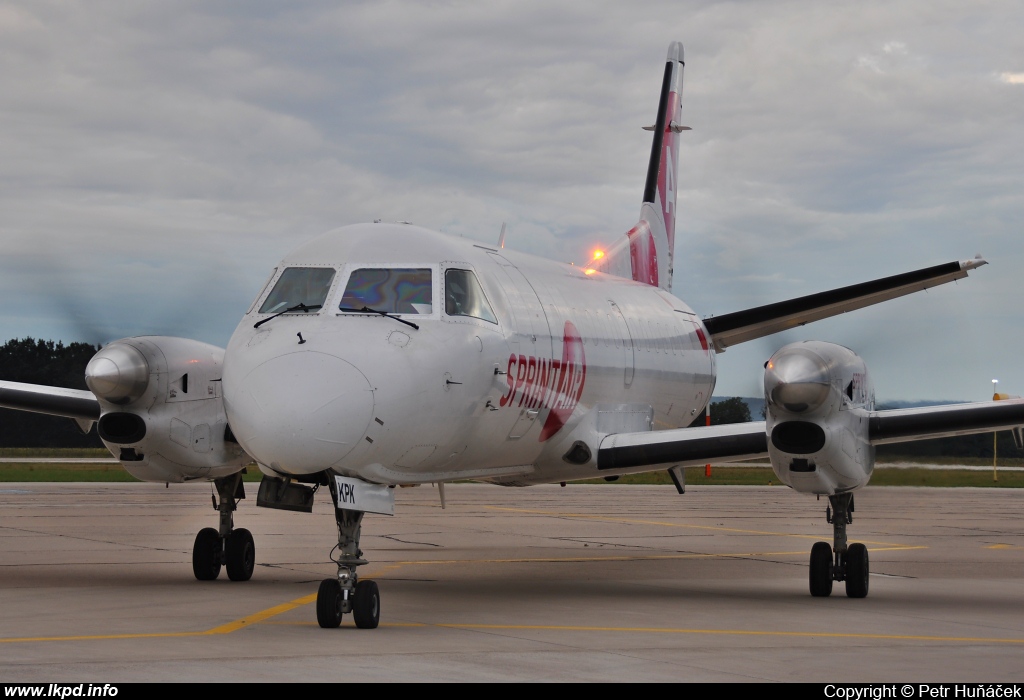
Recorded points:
(631, 521)
(686, 630)
(623, 557)
(744, 633)
(265, 615)
(228, 628)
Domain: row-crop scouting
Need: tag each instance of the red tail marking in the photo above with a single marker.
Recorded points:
(667, 172)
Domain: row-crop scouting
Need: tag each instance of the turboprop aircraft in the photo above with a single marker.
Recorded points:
(381, 355)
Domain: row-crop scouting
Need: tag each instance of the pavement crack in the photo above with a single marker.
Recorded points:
(395, 538)
(148, 548)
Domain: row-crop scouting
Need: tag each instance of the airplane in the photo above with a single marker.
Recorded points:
(382, 355)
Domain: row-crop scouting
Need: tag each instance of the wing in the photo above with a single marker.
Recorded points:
(77, 404)
(909, 424)
(741, 326)
(647, 451)
(682, 446)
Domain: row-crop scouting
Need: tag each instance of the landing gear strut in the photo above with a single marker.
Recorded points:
(229, 547)
(841, 562)
(346, 593)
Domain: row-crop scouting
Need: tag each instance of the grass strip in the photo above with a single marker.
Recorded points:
(61, 452)
(764, 476)
(50, 472)
(741, 476)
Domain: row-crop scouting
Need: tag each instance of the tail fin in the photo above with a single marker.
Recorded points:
(652, 240)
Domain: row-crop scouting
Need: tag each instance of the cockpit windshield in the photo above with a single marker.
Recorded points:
(395, 290)
(299, 285)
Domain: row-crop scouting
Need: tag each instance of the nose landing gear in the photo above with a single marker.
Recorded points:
(227, 546)
(346, 593)
(842, 562)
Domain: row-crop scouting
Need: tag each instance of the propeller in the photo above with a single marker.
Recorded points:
(200, 297)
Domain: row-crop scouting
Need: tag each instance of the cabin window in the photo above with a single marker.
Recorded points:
(464, 297)
(299, 285)
(395, 290)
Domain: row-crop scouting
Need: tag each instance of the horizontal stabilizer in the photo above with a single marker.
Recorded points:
(55, 401)
(739, 327)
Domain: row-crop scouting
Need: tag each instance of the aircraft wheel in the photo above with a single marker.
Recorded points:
(857, 571)
(821, 570)
(206, 555)
(240, 555)
(328, 603)
(366, 605)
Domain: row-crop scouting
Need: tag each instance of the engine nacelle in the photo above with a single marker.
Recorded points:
(818, 396)
(162, 408)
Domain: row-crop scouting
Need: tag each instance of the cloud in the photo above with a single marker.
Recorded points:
(151, 148)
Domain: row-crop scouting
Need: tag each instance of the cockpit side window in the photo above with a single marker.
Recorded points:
(395, 290)
(464, 297)
(299, 285)
(263, 290)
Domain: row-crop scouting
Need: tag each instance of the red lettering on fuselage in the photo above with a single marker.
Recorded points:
(549, 384)
(531, 374)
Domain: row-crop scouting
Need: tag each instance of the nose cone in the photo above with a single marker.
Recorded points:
(301, 412)
(118, 373)
(797, 380)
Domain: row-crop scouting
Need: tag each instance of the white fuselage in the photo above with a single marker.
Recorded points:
(570, 357)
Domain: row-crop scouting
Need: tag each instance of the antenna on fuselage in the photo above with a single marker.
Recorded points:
(501, 236)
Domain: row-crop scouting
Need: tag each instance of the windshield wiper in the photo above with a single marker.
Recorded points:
(368, 310)
(298, 307)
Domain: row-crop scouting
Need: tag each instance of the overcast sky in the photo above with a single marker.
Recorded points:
(157, 159)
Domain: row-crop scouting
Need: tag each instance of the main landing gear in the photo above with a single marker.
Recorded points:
(846, 563)
(229, 547)
(346, 593)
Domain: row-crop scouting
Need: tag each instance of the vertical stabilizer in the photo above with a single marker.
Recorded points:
(652, 240)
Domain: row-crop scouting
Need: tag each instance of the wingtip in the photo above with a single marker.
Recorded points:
(974, 263)
(675, 52)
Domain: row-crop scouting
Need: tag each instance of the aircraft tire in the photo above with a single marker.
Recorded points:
(328, 603)
(820, 576)
(857, 571)
(206, 555)
(240, 555)
(366, 605)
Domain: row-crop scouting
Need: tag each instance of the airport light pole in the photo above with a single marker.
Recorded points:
(995, 434)
(707, 421)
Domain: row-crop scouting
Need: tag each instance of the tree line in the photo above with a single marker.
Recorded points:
(52, 364)
(55, 364)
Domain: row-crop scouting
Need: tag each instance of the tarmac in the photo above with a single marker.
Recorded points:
(599, 583)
